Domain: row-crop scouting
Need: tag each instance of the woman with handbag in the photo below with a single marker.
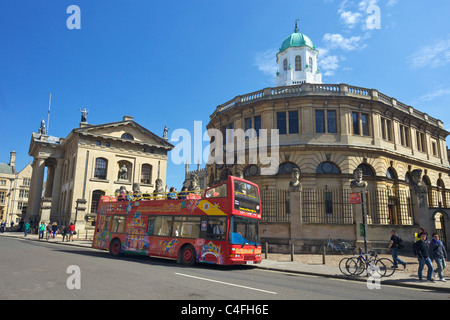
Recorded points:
(71, 231)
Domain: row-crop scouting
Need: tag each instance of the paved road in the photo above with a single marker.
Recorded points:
(39, 270)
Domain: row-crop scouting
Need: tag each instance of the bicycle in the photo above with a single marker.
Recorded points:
(388, 264)
(366, 261)
(342, 246)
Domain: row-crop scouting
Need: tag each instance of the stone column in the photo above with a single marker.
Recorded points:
(295, 203)
(37, 180)
(57, 180)
(46, 206)
(360, 209)
(421, 212)
(80, 215)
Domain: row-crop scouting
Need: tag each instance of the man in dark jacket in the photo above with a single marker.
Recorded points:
(421, 250)
(439, 255)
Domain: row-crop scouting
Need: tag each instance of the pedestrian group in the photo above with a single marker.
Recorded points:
(426, 251)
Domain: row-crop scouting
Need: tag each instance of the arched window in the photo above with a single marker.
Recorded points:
(298, 63)
(366, 170)
(285, 65)
(251, 170)
(101, 166)
(146, 174)
(327, 167)
(287, 167)
(311, 64)
(391, 174)
(127, 136)
(96, 195)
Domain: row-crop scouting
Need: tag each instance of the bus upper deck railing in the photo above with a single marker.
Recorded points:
(183, 195)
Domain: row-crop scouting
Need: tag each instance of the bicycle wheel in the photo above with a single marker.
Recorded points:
(343, 266)
(376, 269)
(355, 266)
(386, 263)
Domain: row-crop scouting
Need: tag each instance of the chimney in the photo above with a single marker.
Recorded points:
(127, 118)
(12, 161)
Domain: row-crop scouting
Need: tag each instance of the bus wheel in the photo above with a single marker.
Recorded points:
(188, 256)
(114, 248)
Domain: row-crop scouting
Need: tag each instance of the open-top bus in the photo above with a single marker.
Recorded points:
(218, 225)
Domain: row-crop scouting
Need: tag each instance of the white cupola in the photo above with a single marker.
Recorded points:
(297, 61)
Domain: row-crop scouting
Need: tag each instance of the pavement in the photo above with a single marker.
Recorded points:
(397, 279)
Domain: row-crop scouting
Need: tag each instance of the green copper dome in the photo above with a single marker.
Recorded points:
(297, 39)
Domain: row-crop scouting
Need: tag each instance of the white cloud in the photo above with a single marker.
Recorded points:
(336, 40)
(266, 62)
(435, 94)
(432, 55)
(350, 18)
(391, 3)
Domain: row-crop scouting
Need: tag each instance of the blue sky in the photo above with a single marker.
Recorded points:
(170, 63)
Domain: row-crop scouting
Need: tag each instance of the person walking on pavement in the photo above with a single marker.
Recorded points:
(41, 230)
(3, 226)
(71, 231)
(438, 254)
(423, 256)
(65, 233)
(26, 229)
(394, 246)
(54, 229)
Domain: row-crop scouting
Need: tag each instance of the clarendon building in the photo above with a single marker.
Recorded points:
(326, 131)
(69, 175)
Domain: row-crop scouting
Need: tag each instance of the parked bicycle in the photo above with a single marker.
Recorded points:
(341, 246)
(388, 264)
(368, 262)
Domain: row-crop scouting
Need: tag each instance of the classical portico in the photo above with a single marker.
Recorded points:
(71, 174)
(47, 164)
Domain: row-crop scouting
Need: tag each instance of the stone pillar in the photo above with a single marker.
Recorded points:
(295, 204)
(360, 209)
(37, 180)
(421, 212)
(46, 206)
(57, 180)
(80, 215)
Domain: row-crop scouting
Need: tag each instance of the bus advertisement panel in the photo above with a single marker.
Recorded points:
(217, 226)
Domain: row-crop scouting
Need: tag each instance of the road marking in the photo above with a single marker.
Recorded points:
(225, 283)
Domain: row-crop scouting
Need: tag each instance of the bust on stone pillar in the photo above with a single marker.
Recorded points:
(419, 187)
(295, 184)
(358, 181)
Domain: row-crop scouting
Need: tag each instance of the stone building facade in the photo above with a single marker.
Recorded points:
(326, 131)
(14, 190)
(93, 160)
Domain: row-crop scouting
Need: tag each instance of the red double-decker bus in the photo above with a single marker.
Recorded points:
(218, 225)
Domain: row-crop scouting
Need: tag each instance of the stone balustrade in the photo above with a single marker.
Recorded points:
(307, 89)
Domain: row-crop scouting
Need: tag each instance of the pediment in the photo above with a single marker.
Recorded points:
(126, 131)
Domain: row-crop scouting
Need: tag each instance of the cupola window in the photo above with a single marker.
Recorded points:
(298, 63)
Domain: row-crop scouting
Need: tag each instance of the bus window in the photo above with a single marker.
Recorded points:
(216, 228)
(219, 191)
(118, 224)
(163, 226)
(107, 223)
(151, 225)
(188, 227)
(244, 231)
(246, 197)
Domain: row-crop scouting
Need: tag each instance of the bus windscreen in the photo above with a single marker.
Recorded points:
(246, 197)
